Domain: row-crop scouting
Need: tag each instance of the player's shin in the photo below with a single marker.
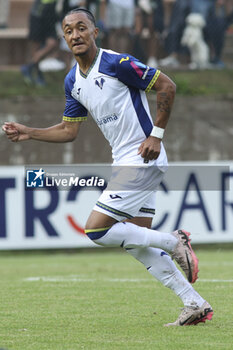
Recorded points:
(160, 265)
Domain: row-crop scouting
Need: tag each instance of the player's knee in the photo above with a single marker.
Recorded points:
(96, 233)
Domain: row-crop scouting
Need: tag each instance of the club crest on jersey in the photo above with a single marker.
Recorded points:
(100, 82)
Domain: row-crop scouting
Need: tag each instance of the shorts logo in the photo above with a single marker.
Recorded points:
(35, 178)
(124, 59)
(115, 196)
(100, 83)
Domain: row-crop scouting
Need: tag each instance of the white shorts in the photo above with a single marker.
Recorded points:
(123, 204)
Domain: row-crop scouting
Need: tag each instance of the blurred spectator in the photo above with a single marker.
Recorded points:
(4, 13)
(120, 21)
(217, 23)
(148, 25)
(229, 12)
(43, 39)
(173, 33)
(99, 8)
(168, 7)
(204, 7)
(207, 9)
(67, 5)
(140, 27)
(215, 14)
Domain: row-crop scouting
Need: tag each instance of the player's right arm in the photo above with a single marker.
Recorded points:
(66, 131)
(62, 132)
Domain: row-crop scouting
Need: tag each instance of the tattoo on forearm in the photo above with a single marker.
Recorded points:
(164, 101)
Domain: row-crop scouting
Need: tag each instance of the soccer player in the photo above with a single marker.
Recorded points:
(112, 87)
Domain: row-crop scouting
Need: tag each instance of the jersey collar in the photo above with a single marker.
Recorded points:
(92, 65)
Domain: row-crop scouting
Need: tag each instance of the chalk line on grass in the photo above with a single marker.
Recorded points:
(63, 279)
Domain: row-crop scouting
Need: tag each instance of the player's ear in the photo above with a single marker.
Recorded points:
(96, 32)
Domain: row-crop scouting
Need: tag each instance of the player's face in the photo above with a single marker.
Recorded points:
(80, 33)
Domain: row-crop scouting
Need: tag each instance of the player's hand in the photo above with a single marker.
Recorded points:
(15, 131)
(150, 148)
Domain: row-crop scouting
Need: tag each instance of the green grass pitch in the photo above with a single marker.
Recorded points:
(104, 299)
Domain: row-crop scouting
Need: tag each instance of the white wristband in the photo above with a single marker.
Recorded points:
(157, 132)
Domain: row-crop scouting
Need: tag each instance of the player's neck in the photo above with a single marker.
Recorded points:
(85, 61)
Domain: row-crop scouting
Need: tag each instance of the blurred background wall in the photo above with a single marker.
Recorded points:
(200, 128)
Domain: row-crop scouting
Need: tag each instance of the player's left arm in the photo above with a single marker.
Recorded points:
(137, 75)
(165, 89)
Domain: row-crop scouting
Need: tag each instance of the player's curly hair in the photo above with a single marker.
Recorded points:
(84, 10)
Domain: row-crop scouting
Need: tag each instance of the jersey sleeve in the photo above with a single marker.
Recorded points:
(74, 110)
(132, 72)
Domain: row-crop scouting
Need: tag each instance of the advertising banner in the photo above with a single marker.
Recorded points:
(45, 207)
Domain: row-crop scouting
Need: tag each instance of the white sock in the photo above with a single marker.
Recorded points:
(161, 266)
(129, 235)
